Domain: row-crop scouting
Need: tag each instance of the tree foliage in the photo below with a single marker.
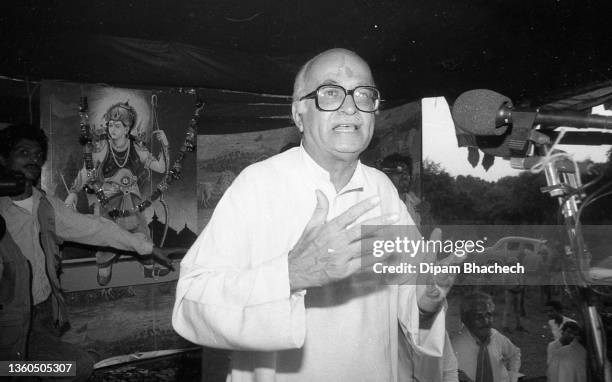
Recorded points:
(510, 200)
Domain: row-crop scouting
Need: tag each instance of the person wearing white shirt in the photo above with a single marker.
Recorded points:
(567, 362)
(275, 275)
(483, 353)
(551, 348)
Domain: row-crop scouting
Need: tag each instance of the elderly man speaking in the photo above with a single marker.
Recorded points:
(276, 274)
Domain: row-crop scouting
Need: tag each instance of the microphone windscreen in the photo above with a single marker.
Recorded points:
(475, 111)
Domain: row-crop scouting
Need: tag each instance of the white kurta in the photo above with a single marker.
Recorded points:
(233, 291)
(568, 363)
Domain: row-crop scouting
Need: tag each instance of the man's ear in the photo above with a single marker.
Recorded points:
(296, 113)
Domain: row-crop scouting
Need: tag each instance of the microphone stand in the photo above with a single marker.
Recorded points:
(562, 181)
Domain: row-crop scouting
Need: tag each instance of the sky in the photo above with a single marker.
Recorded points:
(440, 145)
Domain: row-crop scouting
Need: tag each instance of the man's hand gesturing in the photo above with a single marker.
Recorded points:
(435, 288)
(331, 251)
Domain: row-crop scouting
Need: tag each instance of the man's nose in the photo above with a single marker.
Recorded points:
(348, 106)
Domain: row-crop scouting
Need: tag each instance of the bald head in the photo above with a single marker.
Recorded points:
(300, 85)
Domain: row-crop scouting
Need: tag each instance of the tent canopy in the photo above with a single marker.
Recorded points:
(536, 52)
(525, 49)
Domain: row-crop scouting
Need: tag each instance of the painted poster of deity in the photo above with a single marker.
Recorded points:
(134, 138)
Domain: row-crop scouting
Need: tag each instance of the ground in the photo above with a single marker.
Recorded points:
(139, 320)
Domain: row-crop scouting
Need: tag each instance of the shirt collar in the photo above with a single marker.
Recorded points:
(318, 173)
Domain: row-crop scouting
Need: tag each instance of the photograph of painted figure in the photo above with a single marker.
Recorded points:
(122, 163)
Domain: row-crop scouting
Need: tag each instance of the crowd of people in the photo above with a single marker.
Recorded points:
(276, 274)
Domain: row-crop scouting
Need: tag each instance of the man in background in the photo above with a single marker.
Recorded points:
(483, 353)
(514, 292)
(554, 310)
(567, 358)
(399, 169)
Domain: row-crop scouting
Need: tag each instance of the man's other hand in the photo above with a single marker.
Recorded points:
(331, 251)
(434, 289)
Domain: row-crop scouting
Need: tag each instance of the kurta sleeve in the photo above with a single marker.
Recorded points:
(230, 297)
(95, 230)
(427, 341)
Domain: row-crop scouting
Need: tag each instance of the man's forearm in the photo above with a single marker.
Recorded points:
(96, 230)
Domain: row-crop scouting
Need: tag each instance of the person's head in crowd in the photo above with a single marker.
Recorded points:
(399, 169)
(476, 311)
(334, 102)
(23, 150)
(570, 331)
(554, 310)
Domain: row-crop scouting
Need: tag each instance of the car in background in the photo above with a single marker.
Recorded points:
(507, 248)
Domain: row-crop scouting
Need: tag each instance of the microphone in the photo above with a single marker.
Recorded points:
(485, 112)
(496, 128)
(475, 111)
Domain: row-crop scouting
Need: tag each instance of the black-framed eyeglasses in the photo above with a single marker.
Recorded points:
(331, 97)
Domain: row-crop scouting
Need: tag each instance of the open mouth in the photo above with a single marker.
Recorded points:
(346, 128)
